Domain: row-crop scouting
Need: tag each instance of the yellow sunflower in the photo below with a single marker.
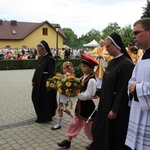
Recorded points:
(51, 85)
(68, 84)
(58, 83)
(68, 74)
(58, 75)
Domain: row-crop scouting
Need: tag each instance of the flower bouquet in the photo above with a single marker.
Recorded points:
(69, 85)
(52, 83)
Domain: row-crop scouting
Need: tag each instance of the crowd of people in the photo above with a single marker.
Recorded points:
(118, 76)
(23, 53)
(9, 53)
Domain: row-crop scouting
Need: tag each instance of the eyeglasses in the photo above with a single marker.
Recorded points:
(135, 33)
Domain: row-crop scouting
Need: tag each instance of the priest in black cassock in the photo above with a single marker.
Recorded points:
(44, 101)
(110, 125)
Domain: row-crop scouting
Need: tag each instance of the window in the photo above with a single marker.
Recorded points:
(14, 32)
(45, 31)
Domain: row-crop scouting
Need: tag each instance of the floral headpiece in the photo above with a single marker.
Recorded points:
(68, 64)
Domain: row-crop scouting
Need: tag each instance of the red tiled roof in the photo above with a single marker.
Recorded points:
(22, 29)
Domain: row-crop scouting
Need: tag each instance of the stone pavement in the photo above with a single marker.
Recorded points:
(18, 131)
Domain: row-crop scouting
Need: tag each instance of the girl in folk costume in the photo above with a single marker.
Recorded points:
(85, 104)
(62, 99)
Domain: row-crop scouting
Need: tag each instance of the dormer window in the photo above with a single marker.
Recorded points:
(14, 32)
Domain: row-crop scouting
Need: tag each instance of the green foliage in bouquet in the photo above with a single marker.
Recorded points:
(52, 83)
(69, 85)
(66, 84)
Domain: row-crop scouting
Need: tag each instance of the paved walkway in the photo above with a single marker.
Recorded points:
(18, 131)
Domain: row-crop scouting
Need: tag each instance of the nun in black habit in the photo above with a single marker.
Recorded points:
(44, 101)
(110, 125)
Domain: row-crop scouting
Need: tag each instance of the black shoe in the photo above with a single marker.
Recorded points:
(90, 146)
(64, 143)
(56, 128)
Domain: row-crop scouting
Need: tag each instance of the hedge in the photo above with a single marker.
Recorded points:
(31, 64)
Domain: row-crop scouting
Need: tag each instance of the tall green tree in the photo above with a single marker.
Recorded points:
(88, 37)
(146, 10)
(71, 40)
(126, 34)
(92, 34)
(74, 42)
(112, 27)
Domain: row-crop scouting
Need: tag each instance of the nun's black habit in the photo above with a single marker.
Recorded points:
(110, 134)
(44, 101)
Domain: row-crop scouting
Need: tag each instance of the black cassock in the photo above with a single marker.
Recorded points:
(44, 101)
(110, 134)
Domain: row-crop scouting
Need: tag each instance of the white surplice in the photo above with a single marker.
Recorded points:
(138, 135)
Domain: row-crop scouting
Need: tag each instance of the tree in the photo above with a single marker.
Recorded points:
(74, 42)
(112, 27)
(126, 34)
(88, 37)
(146, 10)
(71, 40)
(92, 34)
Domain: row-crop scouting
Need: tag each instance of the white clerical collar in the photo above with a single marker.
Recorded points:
(45, 54)
(118, 56)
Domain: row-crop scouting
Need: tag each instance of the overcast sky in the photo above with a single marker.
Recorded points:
(79, 15)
